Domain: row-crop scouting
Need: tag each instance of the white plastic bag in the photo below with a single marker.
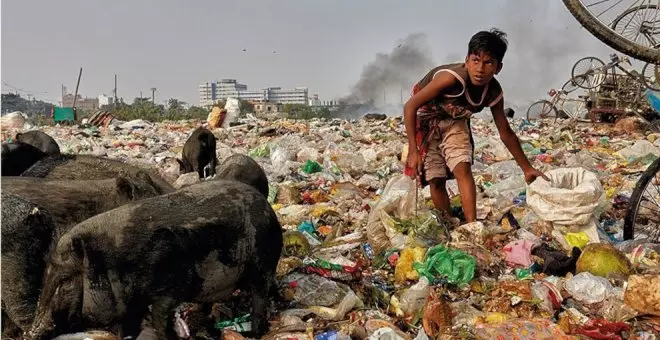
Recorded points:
(398, 199)
(414, 298)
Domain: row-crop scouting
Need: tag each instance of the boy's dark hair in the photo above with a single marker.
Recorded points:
(491, 42)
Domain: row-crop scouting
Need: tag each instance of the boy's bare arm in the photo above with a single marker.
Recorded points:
(441, 82)
(512, 143)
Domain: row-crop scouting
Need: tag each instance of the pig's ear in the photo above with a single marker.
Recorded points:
(125, 187)
(78, 247)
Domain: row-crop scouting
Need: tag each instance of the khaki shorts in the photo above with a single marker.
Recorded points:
(448, 148)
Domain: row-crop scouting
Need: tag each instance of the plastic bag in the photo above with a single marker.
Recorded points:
(506, 169)
(456, 266)
(519, 253)
(413, 298)
(313, 290)
(404, 267)
(588, 288)
(640, 149)
(398, 198)
(233, 108)
(493, 148)
(349, 301)
(311, 167)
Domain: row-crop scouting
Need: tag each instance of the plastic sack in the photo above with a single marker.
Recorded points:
(570, 198)
(311, 167)
(454, 265)
(216, 117)
(398, 198)
(573, 199)
(233, 108)
(587, 288)
(14, 119)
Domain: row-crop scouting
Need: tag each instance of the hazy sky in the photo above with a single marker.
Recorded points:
(174, 45)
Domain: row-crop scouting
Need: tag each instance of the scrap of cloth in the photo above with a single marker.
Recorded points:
(519, 253)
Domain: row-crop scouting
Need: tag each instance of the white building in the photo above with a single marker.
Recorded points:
(211, 93)
(105, 100)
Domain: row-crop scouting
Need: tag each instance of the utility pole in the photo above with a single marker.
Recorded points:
(114, 92)
(153, 95)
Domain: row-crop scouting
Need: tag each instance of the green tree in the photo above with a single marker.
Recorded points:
(196, 112)
(245, 107)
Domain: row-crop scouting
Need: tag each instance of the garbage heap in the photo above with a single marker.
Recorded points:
(366, 255)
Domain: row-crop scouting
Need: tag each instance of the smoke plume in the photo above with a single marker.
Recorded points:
(393, 73)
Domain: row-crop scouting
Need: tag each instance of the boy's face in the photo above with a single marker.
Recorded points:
(481, 68)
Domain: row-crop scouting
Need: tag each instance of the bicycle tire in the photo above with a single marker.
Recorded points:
(569, 86)
(543, 101)
(574, 76)
(651, 86)
(616, 21)
(636, 198)
(609, 37)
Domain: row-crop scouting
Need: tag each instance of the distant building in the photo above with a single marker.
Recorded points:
(105, 100)
(267, 107)
(213, 92)
(85, 104)
(315, 102)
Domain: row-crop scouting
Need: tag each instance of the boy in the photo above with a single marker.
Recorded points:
(437, 121)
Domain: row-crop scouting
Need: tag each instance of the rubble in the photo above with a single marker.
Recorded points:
(366, 255)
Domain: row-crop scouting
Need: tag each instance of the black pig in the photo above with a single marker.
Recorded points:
(26, 229)
(39, 140)
(83, 167)
(18, 157)
(68, 203)
(243, 168)
(198, 152)
(197, 244)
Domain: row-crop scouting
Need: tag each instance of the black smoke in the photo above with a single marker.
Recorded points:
(388, 79)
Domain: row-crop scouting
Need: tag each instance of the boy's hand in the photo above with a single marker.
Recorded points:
(531, 174)
(414, 162)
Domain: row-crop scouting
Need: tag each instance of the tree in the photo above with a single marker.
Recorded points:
(300, 111)
(196, 112)
(245, 106)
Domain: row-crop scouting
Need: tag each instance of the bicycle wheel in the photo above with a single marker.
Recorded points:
(651, 76)
(591, 22)
(569, 86)
(542, 109)
(639, 24)
(643, 216)
(588, 73)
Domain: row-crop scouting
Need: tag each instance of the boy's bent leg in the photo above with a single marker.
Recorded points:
(457, 151)
(439, 194)
(468, 190)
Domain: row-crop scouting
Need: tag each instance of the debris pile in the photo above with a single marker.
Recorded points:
(366, 255)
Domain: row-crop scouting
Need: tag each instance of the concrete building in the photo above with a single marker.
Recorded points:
(105, 100)
(267, 107)
(213, 92)
(86, 104)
